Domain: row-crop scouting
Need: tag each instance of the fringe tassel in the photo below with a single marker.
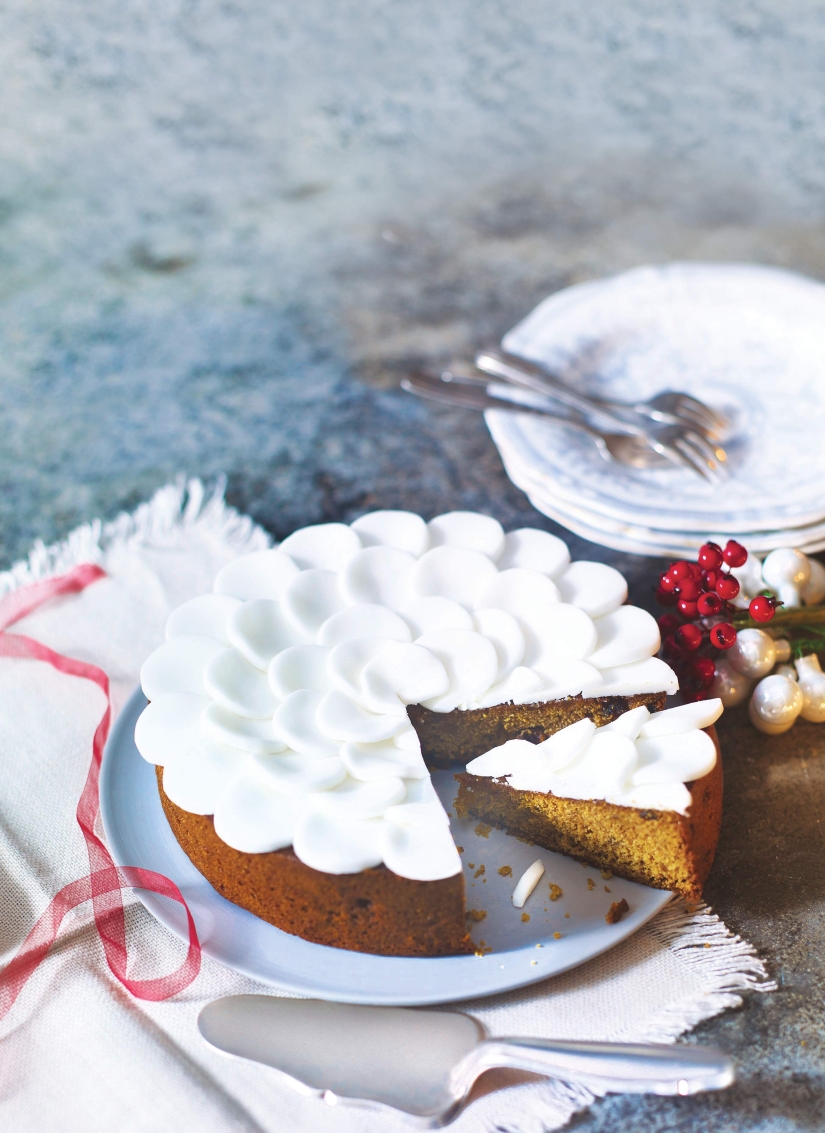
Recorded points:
(178, 506)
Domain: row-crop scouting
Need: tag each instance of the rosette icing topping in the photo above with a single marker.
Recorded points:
(641, 759)
(278, 703)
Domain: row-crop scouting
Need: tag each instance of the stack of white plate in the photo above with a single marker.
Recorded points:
(748, 340)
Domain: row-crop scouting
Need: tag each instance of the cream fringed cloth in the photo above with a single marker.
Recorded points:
(79, 1053)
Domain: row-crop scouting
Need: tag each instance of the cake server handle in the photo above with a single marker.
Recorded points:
(636, 1068)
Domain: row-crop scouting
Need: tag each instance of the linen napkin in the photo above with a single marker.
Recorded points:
(78, 1051)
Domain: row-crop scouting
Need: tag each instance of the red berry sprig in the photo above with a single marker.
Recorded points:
(701, 626)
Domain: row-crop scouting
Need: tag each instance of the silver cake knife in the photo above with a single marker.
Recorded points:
(424, 1062)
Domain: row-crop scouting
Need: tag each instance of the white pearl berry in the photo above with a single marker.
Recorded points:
(814, 589)
(753, 654)
(775, 705)
(786, 572)
(812, 686)
(731, 687)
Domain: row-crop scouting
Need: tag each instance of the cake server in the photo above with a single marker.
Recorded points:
(424, 1063)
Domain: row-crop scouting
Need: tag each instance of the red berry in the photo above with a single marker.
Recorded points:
(727, 587)
(686, 608)
(762, 608)
(689, 637)
(703, 670)
(680, 570)
(673, 650)
(696, 571)
(723, 635)
(695, 696)
(709, 579)
(666, 582)
(710, 556)
(665, 597)
(734, 554)
(689, 589)
(668, 624)
(709, 604)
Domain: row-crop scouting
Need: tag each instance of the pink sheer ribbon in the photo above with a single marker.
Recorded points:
(105, 880)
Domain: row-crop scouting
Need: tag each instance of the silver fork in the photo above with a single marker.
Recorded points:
(671, 407)
(677, 438)
(632, 449)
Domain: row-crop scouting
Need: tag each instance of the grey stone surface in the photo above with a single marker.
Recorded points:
(226, 229)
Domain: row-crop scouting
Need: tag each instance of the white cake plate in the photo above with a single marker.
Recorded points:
(558, 936)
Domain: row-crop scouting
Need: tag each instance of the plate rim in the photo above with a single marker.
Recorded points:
(120, 745)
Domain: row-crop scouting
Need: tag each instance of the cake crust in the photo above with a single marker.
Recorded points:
(373, 911)
(658, 848)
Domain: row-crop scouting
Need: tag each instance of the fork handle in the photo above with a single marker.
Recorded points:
(636, 1068)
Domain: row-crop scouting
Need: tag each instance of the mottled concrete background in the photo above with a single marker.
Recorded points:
(226, 228)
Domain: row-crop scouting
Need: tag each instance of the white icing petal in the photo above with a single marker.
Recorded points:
(263, 574)
(534, 550)
(298, 775)
(659, 796)
(259, 630)
(341, 718)
(607, 763)
(198, 777)
(557, 631)
(510, 758)
(471, 663)
(629, 723)
(354, 799)
(650, 675)
(347, 661)
(407, 739)
(452, 572)
(685, 757)
(424, 614)
(240, 732)
(506, 635)
(296, 723)
(699, 714)
(593, 587)
(168, 725)
(407, 674)
(402, 529)
(254, 819)
(382, 761)
(523, 593)
(178, 666)
(301, 666)
(423, 812)
(335, 845)
(468, 529)
(626, 635)
(424, 852)
(379, 575)
(234, 683)
(312, 598)
(567, 744)
(519, 687)
(566, 676)
(363, 621)
(206, 616)
(324, 546)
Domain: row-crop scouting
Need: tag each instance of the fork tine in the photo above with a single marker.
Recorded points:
(697, 460)
(714, 454)
(704, 414)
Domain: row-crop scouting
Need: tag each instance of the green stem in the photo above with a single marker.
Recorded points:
(801, 616)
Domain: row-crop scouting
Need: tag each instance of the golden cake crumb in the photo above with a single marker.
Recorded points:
(567, 915)
(607, 889)
(616, 911)
(483, 829)
(557, 936)
(591, 884)
(505, 870)
(607, 874)
(471, 865)
(482, 949)
(534, 961)
(525, 917)
(476, 914)
(556, 891)
(460, 849)
(482, 869)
